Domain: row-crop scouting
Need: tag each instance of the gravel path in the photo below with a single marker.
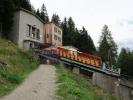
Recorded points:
(40, 85)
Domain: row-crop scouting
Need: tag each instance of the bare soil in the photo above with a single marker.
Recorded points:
(39, 85)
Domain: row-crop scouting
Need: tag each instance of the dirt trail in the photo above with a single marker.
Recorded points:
(40, 85)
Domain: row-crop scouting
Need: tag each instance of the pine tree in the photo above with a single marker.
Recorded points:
(64, 26)
(6, 16)
(23, 4)
(71, 24)
(71, 32)
(38, 12)
(80, 39)
(85, 43)
(107, 47)
(125, 62)
(33, 9)
(44, 14)
(26, 4)
(56, 19)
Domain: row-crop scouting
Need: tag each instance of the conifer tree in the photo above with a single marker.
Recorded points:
(38, 12)
(56, 19)
(6, 16)
(26, 4)
(79, 39)
(68, 27)
(44, 14)
(64, 26)
(125, 62)
(23, 4)
(85, 43)
(107, 47)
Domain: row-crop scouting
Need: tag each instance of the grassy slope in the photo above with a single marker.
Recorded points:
(19, 64)
(72, 87)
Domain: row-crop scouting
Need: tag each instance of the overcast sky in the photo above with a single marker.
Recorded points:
(94, 14)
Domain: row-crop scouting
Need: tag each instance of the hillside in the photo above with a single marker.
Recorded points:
(75, 87)
(15, 65)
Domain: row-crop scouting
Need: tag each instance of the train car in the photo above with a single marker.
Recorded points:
(74, 55)
(52, 51)
(80, 57)
(90, 59)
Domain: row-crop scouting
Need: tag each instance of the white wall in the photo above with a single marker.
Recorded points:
(26, 18)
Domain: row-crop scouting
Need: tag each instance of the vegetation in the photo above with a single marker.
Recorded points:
(56, 19)
(23, 4)
(125, 62)
(107, 47)
(17, 66)
(44, 14)
(87, 44)
(73, 36)
(6, 6)
(73, 87)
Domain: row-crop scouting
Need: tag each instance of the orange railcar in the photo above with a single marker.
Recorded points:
(80, 57)
(75, 55)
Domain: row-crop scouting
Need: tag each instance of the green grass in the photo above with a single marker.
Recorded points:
(73, 87)
(19, 65)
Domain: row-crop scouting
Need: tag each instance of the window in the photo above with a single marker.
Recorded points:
(47, 35)
(28, 30)
(55, 29)
(33, 32)
(38, 34)
(55, 37)
(31, 45)
(59, 32)
(59, 38)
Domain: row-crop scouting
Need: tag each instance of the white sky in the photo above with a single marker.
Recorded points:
(94, 14)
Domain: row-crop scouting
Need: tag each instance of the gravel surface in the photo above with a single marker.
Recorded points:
(40, 85)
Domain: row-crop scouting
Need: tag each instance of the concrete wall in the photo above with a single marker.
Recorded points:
(118, 87)
(22, 18)
(76, 70)
(25, 19)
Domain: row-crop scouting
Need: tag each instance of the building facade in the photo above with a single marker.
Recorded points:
(29, 31)
(53, 34)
